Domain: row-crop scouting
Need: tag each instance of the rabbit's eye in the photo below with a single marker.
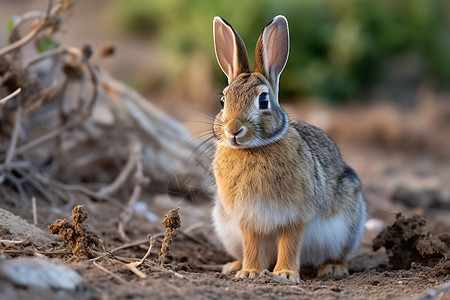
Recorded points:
(263, 101)
(222, 101)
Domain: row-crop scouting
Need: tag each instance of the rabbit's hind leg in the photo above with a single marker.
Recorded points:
(233, 266)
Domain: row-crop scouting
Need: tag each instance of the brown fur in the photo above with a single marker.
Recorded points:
(275, 171)
(288, 262)
(278, 177)
(252, 264)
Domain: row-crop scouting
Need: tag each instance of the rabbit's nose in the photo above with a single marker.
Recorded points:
(235, 128)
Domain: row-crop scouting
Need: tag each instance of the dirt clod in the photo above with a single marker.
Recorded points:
(407, 241)
(442, 268)
(76, 236)
(172, 222)
(172, 219)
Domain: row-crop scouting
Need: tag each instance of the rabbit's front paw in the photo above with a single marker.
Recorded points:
(248, 273)
(290, 275)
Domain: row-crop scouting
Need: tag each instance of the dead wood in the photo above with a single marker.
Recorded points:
(67, 125)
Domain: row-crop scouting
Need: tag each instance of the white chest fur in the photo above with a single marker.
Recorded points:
(262, 216)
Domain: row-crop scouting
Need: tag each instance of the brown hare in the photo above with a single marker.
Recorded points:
(285, 196)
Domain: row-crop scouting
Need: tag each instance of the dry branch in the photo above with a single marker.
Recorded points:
(74, 121)
(133, 265)
(10, 96)
(14, 138)
(139, 180)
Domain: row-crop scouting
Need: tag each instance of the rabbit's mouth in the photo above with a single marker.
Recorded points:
(234, 142)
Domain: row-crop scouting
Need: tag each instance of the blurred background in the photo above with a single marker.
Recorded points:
(375, 75)
(343, 51)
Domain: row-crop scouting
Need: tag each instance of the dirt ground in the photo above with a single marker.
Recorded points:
(192, 268)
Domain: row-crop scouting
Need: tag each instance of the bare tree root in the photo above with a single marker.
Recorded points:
(139, 180)
(67, 126)
(10, 96)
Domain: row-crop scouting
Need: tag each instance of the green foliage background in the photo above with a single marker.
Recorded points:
(338, 47)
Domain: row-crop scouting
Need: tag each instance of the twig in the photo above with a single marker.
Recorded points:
(71, 188)
(49, 9)
(19, 242)
(152, 243)
(50, 53)
(96, 83)
(43, 95)
(15, 165)
(7, 75)
(42, 24)
(15, 136)
(12, 95)
(174, 273)
(33, 204)
(121, 178)
(109, 273)
(60, 252)
(18, 185)
(48, 136)
(129, 245)
(28, 16)
(135, 243)
(160, 268)
(133, 265)
(31, 177)
(126, 215)
(24, 40)
(133, 268)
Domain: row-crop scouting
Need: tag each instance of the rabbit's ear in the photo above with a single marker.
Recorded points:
(272, 50)
(230, 50)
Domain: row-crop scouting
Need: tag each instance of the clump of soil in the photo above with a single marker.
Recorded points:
(172, 222)
(407, 241)
(442, 268)
(76, 237)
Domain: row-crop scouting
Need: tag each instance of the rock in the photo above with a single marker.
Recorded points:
(39, 273)
(13, 227)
